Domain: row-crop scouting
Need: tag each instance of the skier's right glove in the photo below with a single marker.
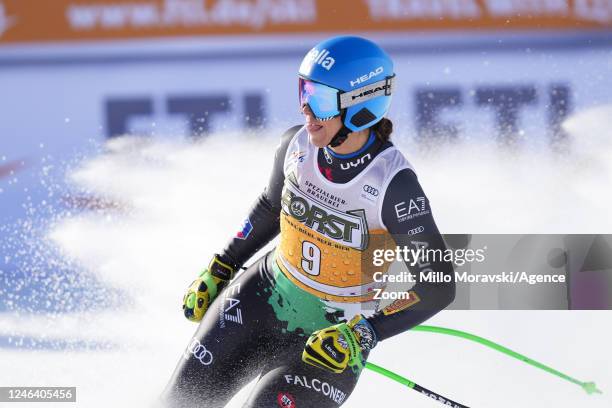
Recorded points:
(205, 288)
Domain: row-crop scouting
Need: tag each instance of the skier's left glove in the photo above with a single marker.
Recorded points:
(340, 346)
(205, 288)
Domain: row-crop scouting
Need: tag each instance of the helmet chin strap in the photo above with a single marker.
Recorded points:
(340, 137)
(342, 134)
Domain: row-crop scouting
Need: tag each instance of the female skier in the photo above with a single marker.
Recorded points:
(304, 317)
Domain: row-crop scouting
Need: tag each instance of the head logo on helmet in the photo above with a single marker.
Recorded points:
(358, 88)
(365, 77)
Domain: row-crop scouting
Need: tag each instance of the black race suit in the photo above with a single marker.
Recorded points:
(259, 324)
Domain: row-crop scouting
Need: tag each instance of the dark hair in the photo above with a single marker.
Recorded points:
(383, 129)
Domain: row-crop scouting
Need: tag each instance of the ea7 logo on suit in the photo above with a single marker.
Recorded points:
(230, 309)
(411, 209)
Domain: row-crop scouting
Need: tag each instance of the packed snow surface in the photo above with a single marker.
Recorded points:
(162, 207)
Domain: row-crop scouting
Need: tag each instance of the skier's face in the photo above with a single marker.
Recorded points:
(320, 132)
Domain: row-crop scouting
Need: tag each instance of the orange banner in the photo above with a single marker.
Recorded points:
(24, 21)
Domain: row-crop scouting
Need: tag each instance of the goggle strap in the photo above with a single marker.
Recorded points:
(365, 93)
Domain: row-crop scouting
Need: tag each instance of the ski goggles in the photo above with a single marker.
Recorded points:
(326, 102)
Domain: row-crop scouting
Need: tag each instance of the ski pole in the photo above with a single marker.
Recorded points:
(411, 384)
(589, 387)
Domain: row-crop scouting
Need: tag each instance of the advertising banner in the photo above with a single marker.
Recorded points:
(32, 21)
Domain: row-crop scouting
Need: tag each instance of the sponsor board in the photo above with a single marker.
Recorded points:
(6, 21)
(465, 95)
(75, 21)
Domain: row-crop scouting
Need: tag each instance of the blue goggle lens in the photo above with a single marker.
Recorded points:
(321, 99)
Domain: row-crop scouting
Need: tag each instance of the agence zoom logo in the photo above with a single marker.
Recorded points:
(370, 190)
